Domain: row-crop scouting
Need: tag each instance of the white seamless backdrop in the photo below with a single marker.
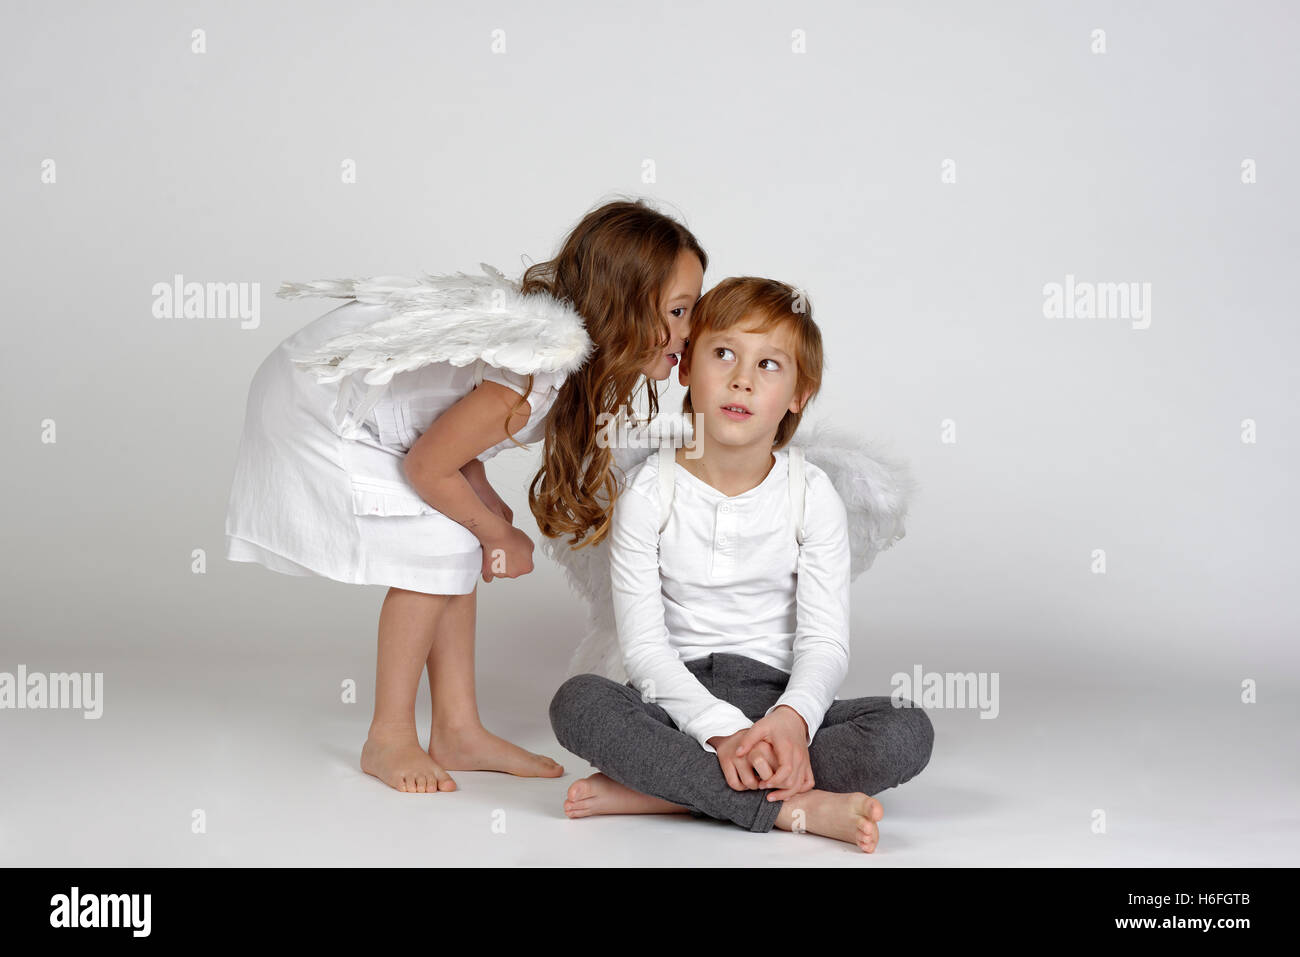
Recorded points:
(922, 170)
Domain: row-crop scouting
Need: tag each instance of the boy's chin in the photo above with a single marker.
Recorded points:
(732, 440)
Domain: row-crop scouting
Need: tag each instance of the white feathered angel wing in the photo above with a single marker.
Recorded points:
(456, 318)
(875, 488)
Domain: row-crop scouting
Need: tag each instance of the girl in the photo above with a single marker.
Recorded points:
(398, 495)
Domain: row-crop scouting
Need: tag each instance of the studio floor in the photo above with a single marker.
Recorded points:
(264, 750)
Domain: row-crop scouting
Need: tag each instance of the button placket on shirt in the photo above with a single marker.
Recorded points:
(724, 536)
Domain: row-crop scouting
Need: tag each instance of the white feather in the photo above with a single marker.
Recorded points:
(457, 318)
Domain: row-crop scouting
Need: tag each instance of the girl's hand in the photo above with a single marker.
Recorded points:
(508, 557)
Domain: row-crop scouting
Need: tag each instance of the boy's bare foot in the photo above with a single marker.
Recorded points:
(477, 749)
(600, 794)
(846, 817)
(396, 758)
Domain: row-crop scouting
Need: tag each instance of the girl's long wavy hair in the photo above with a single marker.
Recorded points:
(613, 268)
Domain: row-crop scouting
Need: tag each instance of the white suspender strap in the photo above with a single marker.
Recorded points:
(795, 463)
(478, 372)
(667, 482)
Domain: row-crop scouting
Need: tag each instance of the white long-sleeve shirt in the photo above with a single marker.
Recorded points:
(728, 576)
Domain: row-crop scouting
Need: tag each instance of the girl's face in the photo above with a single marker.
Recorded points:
(755, 371)
(679, 295)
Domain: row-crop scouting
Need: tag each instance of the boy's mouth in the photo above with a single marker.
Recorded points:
(736, 411)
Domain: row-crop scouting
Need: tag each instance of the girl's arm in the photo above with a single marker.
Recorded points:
(476, 475)
(452, 443)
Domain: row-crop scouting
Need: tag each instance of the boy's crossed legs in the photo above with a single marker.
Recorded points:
(864, 746)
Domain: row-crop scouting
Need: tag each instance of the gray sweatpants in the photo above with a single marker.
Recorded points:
(864, 744)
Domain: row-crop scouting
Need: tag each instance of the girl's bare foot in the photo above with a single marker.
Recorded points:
(846, 817)
(600, 794)
(477, 749)
(396, 758)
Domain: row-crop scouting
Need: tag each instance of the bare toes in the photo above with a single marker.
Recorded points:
(580, 791)
(868, 836)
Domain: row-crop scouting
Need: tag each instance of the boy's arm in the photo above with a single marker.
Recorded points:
(653, 666)
(821, 642)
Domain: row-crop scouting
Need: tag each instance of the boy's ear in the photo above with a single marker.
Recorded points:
(799, 401)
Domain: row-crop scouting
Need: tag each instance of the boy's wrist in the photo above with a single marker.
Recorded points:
(716, 739)
(785, 710)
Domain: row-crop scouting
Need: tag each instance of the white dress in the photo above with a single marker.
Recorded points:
(306, 500)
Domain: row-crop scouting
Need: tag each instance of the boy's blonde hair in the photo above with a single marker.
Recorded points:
(769, 303)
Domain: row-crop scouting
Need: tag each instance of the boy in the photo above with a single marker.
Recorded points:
(735, 636)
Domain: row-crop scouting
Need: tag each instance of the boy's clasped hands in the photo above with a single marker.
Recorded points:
(770, 753)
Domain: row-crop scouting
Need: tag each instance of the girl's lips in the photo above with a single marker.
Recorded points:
(672, 359)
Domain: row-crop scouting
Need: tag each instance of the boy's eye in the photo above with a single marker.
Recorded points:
(718, 349)
(677, 310)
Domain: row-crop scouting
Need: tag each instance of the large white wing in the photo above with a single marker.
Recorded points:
(456, 318)
(876, 488)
